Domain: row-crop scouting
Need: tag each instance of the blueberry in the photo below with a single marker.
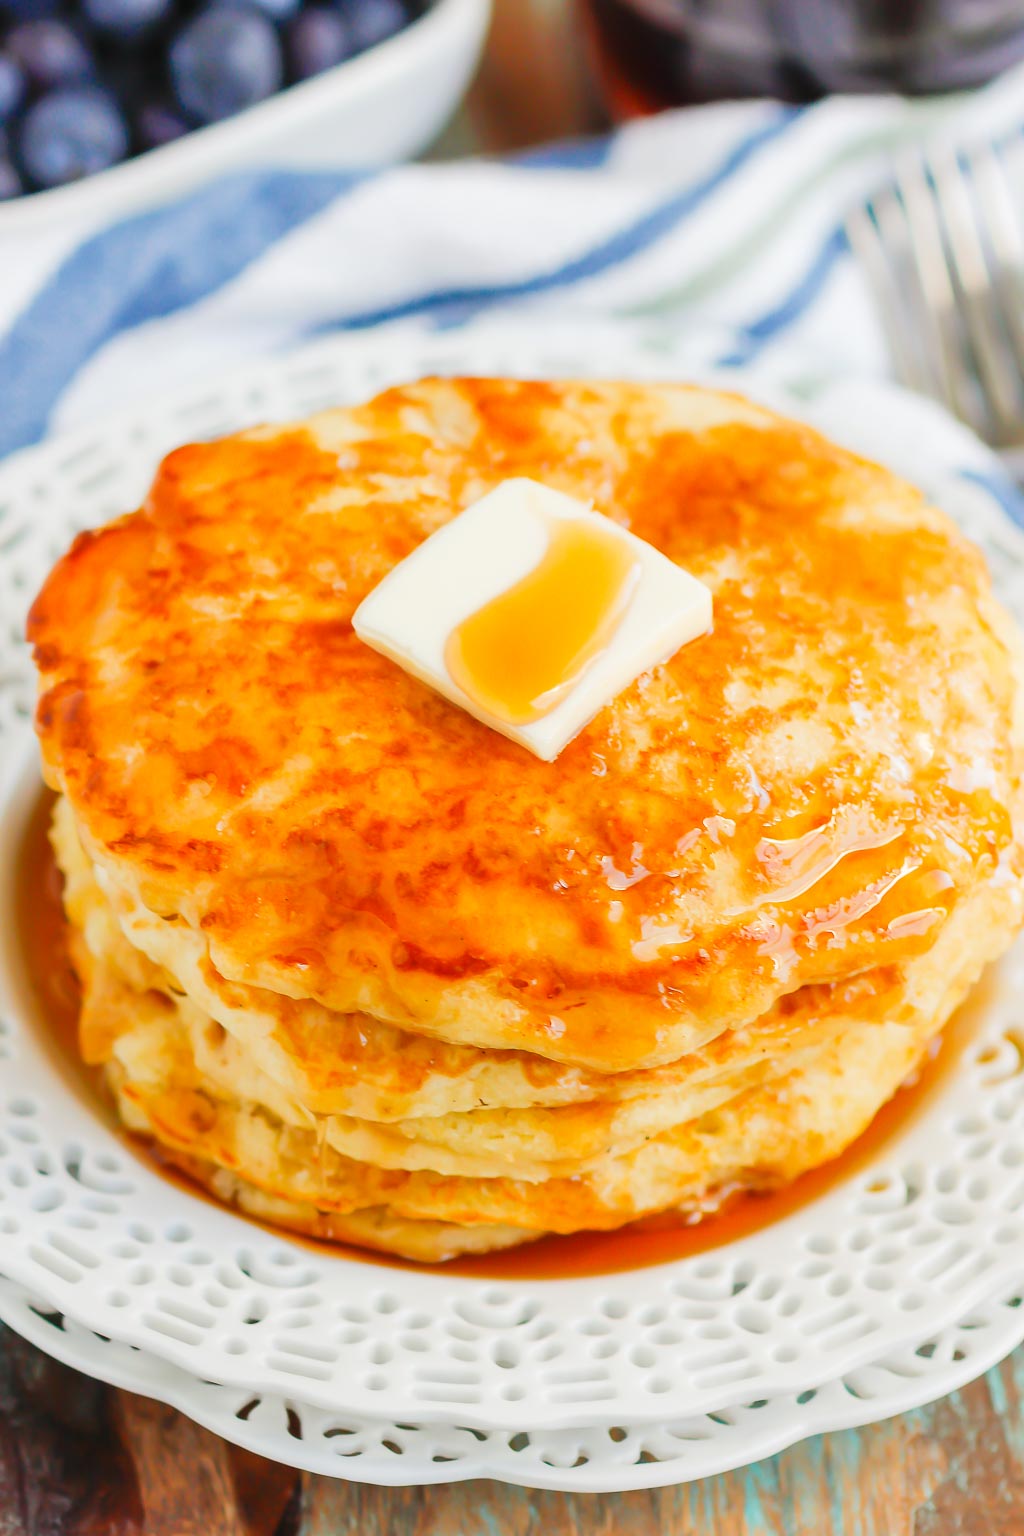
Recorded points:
(225, 60)
(71, 133)
(372, 21)
(317, 40)
(125, 19)
(157, 124)
(12, 87)
(10, 181)
(49, 53)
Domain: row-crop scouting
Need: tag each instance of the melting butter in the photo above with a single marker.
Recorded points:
(533, 612)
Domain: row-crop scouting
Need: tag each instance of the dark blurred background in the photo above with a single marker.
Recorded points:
(591, 61)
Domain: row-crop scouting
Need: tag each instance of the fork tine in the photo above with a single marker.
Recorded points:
(942, 248)
(935, 288)
(989, 345)
(996, 178)
(868, 240)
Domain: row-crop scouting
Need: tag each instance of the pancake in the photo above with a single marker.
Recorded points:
(364, 968)
(487, 1137)
(142, 1033)
(809, 792)
(763, 1137)
(175, 1066)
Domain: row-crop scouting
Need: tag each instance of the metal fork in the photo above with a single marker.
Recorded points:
(942, 245)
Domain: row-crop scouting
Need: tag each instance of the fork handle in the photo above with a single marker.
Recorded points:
(1012, 460)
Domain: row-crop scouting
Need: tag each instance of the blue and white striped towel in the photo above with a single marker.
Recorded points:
(731, 212)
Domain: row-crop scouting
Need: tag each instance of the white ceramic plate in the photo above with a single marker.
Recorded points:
(890, 1258)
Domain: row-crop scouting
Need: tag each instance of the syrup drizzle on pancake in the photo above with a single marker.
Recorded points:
(520, 654)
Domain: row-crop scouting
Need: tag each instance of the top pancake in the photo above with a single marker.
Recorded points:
(806, 792)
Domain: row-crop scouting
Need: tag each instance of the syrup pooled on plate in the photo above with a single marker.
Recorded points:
(522, 652)
(654, 1240)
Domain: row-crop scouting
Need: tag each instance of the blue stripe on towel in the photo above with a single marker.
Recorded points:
(462, 303)
(758, 333)
(141, 269)
(566, 155)
(1002, 489)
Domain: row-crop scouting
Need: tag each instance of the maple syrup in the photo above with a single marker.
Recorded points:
(653, 1240)
(649, 55)
(42, 935)
(521, 653)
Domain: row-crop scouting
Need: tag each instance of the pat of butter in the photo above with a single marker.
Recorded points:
(532, 612)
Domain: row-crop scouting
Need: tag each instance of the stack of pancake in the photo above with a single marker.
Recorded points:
(369, 970)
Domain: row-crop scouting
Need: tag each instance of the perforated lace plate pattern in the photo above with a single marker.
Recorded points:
(599, 1459)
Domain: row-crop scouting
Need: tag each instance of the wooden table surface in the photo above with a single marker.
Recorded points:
(79, 1459)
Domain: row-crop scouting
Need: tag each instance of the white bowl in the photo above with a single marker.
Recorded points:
(384, 105)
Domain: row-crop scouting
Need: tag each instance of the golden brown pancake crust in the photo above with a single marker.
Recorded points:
(804, 793)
